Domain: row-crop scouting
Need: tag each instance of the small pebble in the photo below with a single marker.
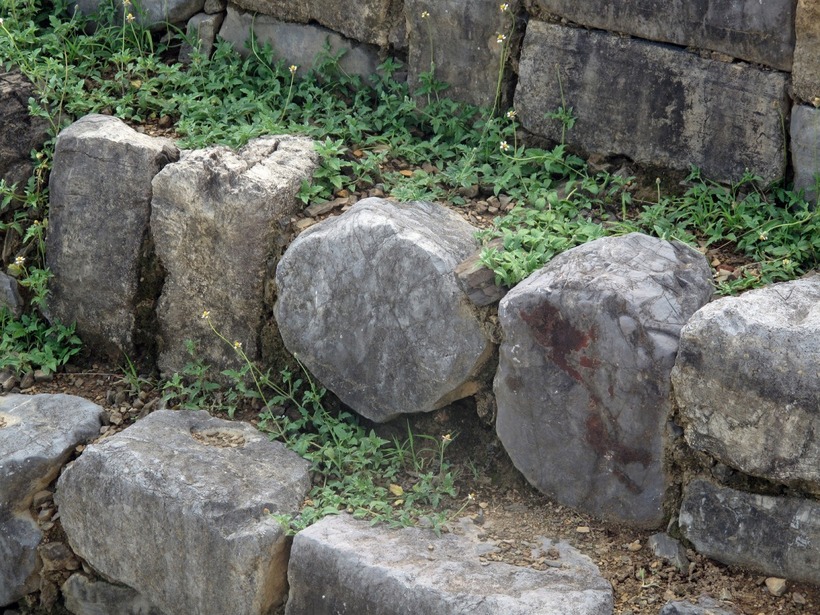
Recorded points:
(634, 546)
(798, 598)
(776, 586)
(583, 529)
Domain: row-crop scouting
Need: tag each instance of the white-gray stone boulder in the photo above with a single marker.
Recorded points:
(583, 387)
(100, 205)
(805, 146)
(219, 220)
(778, 536)
(201, 32)
(368, 301)
(37, 435)
(85, 596)
(723, 117)
(192, 498)
(747, 381)
(342, 566)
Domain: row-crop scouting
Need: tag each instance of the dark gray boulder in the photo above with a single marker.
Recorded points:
(368, 301)
(747, 381)
(582, 386)
(37, 435)
(84, 596)
(341, 566)
(192, 497)
(805, 147)
(806, 67)
(100, 205)
(219, 218)
(704, 606)
(20, 133)
(779, 536)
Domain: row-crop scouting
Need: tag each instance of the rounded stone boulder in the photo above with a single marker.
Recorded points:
(368, 301)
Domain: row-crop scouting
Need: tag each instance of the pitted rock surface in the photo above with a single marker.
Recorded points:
(747, 381)
(187, 513)
(368, 301)
(583, 386)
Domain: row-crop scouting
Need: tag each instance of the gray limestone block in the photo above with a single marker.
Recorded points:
(461, 39)
(84, 596)
(747, 381)
(192, 497)
(368, 21)
(37, 435)
(778, 536)
(368, 301)
(654, 103)
(668, 549)
(100, 204)
(805, 146)
(217, 218)
(152, 14)
(806, 69)
(760, 32)
(10, 295)
(704, 606)
(342, 566)
(201, 32)
(582, 386)
(297, 44)
(20, 133)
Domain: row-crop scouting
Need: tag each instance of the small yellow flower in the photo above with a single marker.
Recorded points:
(504, 7)
(447, 437)
(787, 261)
(20, 261)
(1, 21)
(129, 18)
(501, 38)
(425, 14)
(292, 68)
(512, 114)
(471, 497)
(126, 3)
(504, 146)
(763, 237)
(237, 345)
(206, 314)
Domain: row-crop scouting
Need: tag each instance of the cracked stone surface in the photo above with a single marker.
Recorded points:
(100, 204)
(368, 301)
(189, 510)
(583, 386)
(37, 435)
(219, 221)
(342, 566)
(747, 381)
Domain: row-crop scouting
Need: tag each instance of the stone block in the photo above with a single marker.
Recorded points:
(342, 566)
(654, 103)
(806, 69)
(10, 295)
(192, 498)
(84, 596)
(218, 218)
(201, 31)
(704, 606)
(760, 32)
(152, 14)
(582, 386)
(37, 435)
(368, 21)
(100, 205)
(461, 39)
(478, 281)
(778, 536)
(805, 145)
(297, 44)
(369, 303)
(747, 381)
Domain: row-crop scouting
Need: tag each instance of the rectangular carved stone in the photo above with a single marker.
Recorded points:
(806, 75)
(805, 137)
(761, 32)
(656, 104)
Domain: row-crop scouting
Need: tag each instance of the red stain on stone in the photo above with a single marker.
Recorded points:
(559, 337)
(604, 443)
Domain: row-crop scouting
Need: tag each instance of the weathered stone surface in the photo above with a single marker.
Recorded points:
(191, 497)
(37, 434)
(806, 69)
(478, 280)
(297, 44)
(215, 6)
(19, 132)
(152, 14)
(805, 144)
(668, 549)
(582, 385)
(779, 536)
(10, 295)
(84, 596)
(653, 103)
(461, 39)
(705, 606)
(368, 21)
(201, 30)
(760, 32)
(342, 566)
(369, 303)
(747, 381)
(100, 204)
(218, 217)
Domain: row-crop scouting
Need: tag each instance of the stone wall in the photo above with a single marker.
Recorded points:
(712, 83)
